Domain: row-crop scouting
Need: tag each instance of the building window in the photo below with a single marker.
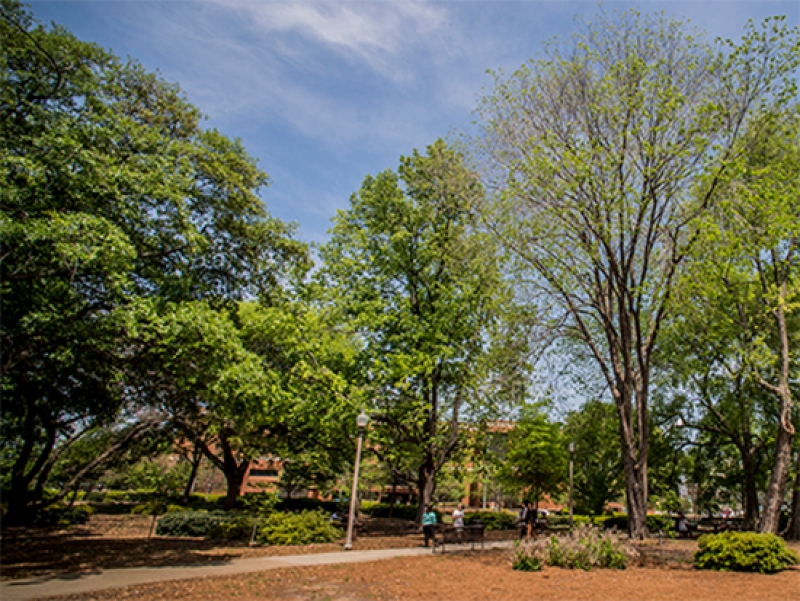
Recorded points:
(263, 473)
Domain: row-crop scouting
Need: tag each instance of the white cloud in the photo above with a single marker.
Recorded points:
(372, 33)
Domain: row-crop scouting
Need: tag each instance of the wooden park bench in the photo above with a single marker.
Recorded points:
(473, 533)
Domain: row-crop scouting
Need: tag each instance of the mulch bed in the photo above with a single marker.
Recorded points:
(663, 572)
(121, 541)
(468, 576)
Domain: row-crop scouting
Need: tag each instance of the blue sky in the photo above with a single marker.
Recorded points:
(324, 93)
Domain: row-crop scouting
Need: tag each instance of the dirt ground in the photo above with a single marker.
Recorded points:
(121, 541)
(664, 572)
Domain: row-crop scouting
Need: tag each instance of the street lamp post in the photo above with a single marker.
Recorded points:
(362, 420)
(571, 460)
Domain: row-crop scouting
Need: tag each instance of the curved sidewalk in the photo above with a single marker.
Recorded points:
(69, 584)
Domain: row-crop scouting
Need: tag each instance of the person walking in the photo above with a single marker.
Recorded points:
(522, 520)
(458, 520)
(429, 525)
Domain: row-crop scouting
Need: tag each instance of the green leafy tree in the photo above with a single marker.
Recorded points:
(110, 191)
(422, 285)
(535, 462)
(737, 325)
(598, 475)
(603, 155)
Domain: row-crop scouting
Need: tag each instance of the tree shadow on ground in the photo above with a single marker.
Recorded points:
(26, 556)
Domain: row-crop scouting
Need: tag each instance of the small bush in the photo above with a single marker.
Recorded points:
(525, 562)
(494, 520)
(654, 522)
(745, 552)
(152, 507)
(400, 512)
(232, 527)
(297, 529)
(62, 515)
(583, 548)
(563, 520)
(189, 523)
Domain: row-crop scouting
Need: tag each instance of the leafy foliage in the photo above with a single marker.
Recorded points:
(604, 161)
(190, 523)
(493, 520)
(400, 512)
(421, 284)
(524, 561)
(233, 527)
(744, 551)
(113, 202)
(536, 456)
(584, 548)
(599, 477)
(297, 529)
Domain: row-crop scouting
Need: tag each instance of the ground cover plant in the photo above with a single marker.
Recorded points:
(584, 548)
(744, 552)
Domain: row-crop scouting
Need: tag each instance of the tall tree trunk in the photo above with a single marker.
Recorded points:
(776, 491)
(426, 484)
(232, 469)
(793, 532)
(635, 468)
(197, 457)
(750, 486)
(393, 495)
(770, 519)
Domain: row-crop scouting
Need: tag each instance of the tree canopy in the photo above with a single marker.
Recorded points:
(602, 156)
(111, 193)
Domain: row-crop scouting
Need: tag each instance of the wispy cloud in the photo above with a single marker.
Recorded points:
(370, 33)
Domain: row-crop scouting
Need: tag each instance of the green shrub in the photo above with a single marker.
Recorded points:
(563, 520)
(654, 522)
(261, 504)
(494, 520)
(152, 507)
(189, 523)
(297, 529)
(62, 515)
(525, 562)
(400, 512)
(233, 527)
(744, 551)
(583, 548)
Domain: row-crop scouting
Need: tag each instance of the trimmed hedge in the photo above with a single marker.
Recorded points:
(563, 520)
(493, 520)
(400, 512)
(190, 523)
(744, 552)
(654, 522)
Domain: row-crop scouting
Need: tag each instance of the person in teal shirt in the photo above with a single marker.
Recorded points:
(428, 525)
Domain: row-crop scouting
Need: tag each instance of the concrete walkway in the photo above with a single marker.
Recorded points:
(68, 584)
